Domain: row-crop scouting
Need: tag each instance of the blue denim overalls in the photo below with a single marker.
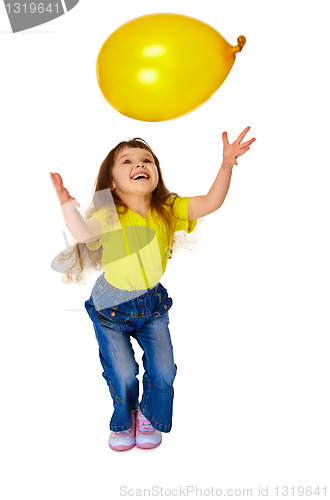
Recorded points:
(143, 314)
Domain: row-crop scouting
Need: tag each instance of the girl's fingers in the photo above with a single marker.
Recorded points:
(52, 177)
(243, 150)
(67, 201)
(56, 180)
(58, 184)
(247, 143)
(62, 193)
(225, 138)
(242, 135)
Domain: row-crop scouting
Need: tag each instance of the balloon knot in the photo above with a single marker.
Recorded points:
(241, 41)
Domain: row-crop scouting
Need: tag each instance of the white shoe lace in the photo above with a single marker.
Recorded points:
(145, 425)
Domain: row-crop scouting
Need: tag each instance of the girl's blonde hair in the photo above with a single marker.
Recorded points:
(79, 259)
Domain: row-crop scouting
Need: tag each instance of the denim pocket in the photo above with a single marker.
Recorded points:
(164, 302)
(113, 318)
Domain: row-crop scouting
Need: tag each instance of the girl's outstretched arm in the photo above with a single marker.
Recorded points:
(81, 230)
(204, 205)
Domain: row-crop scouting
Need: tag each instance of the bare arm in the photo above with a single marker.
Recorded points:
(81, 230)
(204, 205)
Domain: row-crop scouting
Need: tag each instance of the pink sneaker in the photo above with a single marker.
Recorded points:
(124, 440)
(146, 435)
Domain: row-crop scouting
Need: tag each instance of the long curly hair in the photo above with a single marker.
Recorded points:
(79, 260)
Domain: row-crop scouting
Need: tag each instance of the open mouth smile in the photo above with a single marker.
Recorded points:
(141, 176)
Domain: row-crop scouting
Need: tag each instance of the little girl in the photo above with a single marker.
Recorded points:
(133, 227)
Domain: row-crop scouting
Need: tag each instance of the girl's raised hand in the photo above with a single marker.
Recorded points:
(62, 193)
(232, 151)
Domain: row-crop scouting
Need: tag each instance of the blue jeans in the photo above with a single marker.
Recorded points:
(118, 315)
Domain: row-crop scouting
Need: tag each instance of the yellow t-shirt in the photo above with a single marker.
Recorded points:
(136, 249)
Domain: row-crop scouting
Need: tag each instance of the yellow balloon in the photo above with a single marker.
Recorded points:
(161, 66)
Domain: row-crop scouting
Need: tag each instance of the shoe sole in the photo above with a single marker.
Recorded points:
(148, 446)
(121, 448)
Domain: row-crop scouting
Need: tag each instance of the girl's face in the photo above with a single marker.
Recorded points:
(134, 172)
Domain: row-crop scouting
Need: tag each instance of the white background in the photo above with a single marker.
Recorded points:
(250, 319)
